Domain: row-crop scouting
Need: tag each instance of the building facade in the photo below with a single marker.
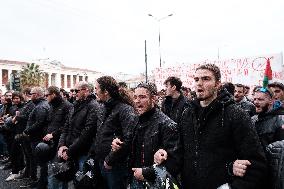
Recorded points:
(55, 73)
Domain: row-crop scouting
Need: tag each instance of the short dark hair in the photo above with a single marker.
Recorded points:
(151, 87)
(174, 81)
(240, 85)
(27, 91)
(213, 68)
(17, 94)
(230, 87)
(54, 90)
(276, 84)
(122, 84)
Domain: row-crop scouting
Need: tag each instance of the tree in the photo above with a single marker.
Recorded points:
(31, 76)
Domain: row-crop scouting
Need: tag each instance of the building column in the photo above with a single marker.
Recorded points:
(1, 74)
(57, 80)
(9, 74)
(65, 81)
(71, 81)
(49, 79)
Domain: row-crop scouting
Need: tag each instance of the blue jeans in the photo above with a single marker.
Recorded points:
(136, 184)
(116, 178)
(54, 183)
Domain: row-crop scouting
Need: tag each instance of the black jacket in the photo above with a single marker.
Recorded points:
(213, 138)
(117, 119)
(269, 127)
(174, 108)
(58, 115)
(22, 119)
(276, 165)
(247, 106)
(37, 122)
(83, 117)
(156, 131)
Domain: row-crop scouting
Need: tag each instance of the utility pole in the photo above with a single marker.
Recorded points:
(146, 64)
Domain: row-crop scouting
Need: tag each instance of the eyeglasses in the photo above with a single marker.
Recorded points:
(78, 90)
(265, 90)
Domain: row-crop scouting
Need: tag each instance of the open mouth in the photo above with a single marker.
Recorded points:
(200, 90)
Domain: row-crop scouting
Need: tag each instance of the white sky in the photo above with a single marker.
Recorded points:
(108, 35)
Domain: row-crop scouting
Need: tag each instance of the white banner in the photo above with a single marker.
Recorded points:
(248, 71)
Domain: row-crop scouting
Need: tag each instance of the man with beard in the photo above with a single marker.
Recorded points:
(155, 132)
(215, 133)
(175, 102)
(16, 155)
(34, 131)
(242, 101)
(269, 122)
(20, 121)
(117, 120)
(278, 93)
(58, 115)
(84, 116)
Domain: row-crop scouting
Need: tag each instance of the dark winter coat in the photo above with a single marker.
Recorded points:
(22, 119)
(84, 116)
(15, 128)
(37, 122)
(58, 115)
(247, 106)
(213, 138)
(174, 109)
(276, 165)
(269, 127)
(117, 120)
(156, 131)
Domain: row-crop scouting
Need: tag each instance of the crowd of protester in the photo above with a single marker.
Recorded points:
(218, 135)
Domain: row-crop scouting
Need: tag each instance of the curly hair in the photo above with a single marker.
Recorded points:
(212, 68)
(109, 84)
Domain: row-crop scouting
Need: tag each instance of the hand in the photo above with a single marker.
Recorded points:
(64, 155)
(107, 166)
(48, 137)
(60, 151)
(116, 144)
(240, 167)
(160, 156)
(17, 113)
(138, 173)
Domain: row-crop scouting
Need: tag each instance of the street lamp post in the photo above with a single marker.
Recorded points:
(159, 20)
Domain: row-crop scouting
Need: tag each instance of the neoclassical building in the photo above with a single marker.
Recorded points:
(55, 73)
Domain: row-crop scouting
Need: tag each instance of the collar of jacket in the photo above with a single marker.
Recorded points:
(217, 106)
(37, 101)
(145, 116)
(83, 101)
(110, 103)
(56, 101)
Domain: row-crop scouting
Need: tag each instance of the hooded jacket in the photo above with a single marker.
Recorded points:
(213, 138)
(174, 108)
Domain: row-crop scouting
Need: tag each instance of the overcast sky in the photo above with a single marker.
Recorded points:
(108, 35)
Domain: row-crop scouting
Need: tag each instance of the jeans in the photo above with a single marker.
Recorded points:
(116, 178)
(136, 184)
